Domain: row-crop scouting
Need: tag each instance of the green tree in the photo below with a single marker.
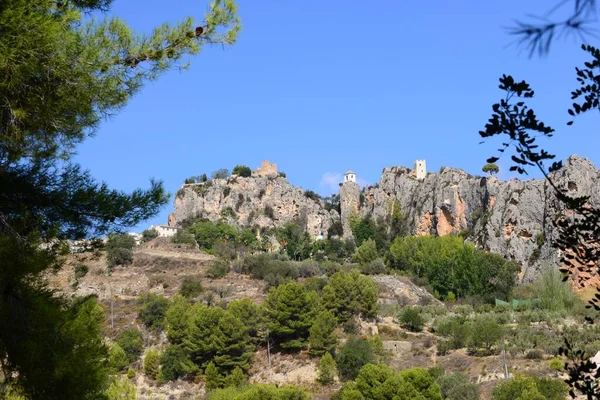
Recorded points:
(291, 311)
(67, 73)
(222, 173)
(178, 317)
(173, 363)
(152, 364)
(523, 387)
(421, 380)
(153, 310)
(119, 250)
(117, 359)
(352, 356)
(216, 335)
(457, 386)
(212, 377)
(260, 392)
(491, 169)
(327, 369)
(242, 170)
(485, 333)
(362, 228)
(295, 241)
(149, 234)
(208, 233)
(251, 314)
(132, 342)
(349, 293)
(322, 338)
(218, 269)
(237, 378)
(410, 318)
(366, 252)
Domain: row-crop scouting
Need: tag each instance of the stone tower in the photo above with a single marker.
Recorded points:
(420, 169)
(349, 176)
(349, 201)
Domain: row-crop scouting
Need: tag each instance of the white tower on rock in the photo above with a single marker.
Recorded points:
(420, 170)
(349, 176)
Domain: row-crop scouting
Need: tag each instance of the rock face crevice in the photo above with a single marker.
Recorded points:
(513, 218)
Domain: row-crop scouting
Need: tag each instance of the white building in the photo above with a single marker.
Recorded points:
(164, 230)
(420, 169)
(349, 176)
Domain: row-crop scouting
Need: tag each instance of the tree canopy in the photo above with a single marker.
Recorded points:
(63, 73)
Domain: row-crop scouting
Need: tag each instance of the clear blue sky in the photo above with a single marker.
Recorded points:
(319, 87)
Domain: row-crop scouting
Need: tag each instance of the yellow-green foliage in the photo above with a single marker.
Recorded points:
(152, 364)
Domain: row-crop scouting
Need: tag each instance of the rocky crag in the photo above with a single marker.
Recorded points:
(512, 218)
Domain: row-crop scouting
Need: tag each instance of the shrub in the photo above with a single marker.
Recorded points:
(225, 250)
(553, 293)
(222, 173)
(523, 387)
(366, 252)
(269, 268)
(152, 364)
(327, 370)
(312, 195)
(218, 269)
(183, 237)
(458, 387)
(456, 330)
(152, 311)
(149, 234)
(485, 334)
(172, 363)
(375, 267)
(352, 356)
(410, 318)
(121, 388)
(191, 287)
(132, 342)
(119, 250)
(81, 270)
(336, 229)
(269, 212)
(242, 170)
(308, 268)
(556, 364)
(117, 359)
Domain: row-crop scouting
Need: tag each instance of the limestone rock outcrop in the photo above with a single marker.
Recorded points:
(512, 218)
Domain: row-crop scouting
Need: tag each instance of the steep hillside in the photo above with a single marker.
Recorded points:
(512, 218)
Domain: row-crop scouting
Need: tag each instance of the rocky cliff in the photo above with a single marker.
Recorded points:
(513, 218)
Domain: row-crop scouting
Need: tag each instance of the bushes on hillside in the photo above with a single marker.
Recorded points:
(457, 386)
(269, 268)
(132, 342)
(366, 252)
(191, 287)
(352, 356)
(322, 338)
(451, 265)
(149, 234)
(524, 387)
(260, 392)
(378, 381)
(152, 311)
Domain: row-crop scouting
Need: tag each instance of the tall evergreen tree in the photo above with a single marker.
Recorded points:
(62, 73)
(291, 310)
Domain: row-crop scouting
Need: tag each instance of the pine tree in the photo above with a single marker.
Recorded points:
(237, 378)
(67, 73)
(178, 318)
(152, 364)
(327, 369)
(322, 337)
(212, 378)
(291, 310)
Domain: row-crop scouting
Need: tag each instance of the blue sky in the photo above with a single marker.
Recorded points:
(319, 87)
